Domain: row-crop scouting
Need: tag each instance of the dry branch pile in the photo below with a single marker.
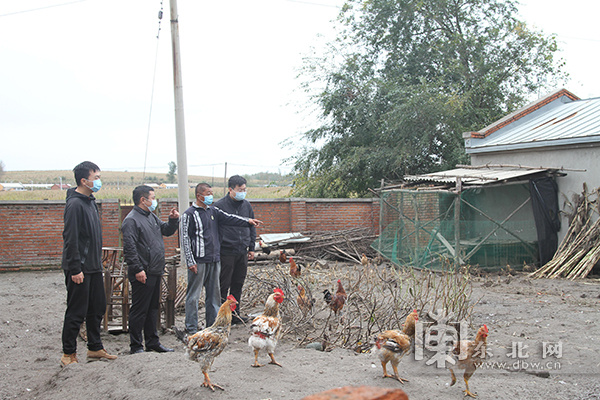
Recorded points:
(379, 298)
(580, 249)
(348, 244)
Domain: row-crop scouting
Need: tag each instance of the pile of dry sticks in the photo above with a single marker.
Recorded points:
(342, 245)
(580, 249)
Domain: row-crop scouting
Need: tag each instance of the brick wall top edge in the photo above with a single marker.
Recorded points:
(24, 202)
(311, 200)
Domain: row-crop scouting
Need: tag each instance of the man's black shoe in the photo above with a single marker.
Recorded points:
(136, 351)
(159, 349)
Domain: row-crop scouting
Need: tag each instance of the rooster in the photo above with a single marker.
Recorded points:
(295, 270)
(206, 345)
(266, 328)
(304, 301)
(392, 345)
(470, 353)
(336, 301)
(265, 248)
(282, 256)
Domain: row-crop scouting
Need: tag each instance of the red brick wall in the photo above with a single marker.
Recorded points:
(31, 231)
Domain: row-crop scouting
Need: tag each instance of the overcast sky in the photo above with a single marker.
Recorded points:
(76, 79)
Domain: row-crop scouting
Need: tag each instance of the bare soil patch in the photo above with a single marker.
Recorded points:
(516, 310)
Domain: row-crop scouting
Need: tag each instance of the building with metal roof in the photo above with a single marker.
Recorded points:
(559, 131)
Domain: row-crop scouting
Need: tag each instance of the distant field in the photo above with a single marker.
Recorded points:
(119, 185)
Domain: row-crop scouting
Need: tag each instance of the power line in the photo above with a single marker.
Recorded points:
(42, 8)
(160, 15)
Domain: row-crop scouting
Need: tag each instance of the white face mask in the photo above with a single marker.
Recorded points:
(96, 185)
(239, 196)
(153, 206)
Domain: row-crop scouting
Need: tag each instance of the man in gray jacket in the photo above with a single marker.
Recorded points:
(144, 253)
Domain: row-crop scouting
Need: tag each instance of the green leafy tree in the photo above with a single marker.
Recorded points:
(171, 174)
(405, 79)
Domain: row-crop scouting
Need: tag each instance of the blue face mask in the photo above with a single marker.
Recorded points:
(239, 196)
(97, 185)
(152, 207)
(208, 199)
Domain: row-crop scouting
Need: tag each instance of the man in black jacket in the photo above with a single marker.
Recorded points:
(144, 253)
(82, 265)
(237, 243)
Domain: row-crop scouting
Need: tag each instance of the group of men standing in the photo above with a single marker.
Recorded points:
(217, 243)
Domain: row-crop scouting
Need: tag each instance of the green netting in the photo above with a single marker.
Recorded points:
(492, 228)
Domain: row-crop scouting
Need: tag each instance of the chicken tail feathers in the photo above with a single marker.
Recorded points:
(180, 334)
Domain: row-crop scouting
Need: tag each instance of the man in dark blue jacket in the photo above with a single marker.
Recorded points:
(82, 265)
(144, 253)
(237, 243)
(201, 248)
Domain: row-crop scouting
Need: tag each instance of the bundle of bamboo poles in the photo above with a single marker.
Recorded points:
(580, 249)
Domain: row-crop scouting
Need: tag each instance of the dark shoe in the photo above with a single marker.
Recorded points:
(137, 351)
(239, 320)
(159, 349)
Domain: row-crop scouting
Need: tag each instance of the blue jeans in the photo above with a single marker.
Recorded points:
(207, 276)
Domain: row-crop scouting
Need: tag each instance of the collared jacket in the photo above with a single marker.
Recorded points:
(236, 239)
(82, 234)
(200, 233)
(143, 244)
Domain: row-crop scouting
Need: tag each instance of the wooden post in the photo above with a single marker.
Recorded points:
(457, 224)
(171, 293)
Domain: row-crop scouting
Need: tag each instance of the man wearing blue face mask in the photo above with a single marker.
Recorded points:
(200, 225)
(82, 265)
(237, 243)
(144, 253)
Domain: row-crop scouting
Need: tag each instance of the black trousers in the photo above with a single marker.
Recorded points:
(143, 315)
(233, 275)
(86, 300)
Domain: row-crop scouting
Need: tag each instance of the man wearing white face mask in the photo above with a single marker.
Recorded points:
(200, 225)
(144, 253)
(82, 265)
(237, 243)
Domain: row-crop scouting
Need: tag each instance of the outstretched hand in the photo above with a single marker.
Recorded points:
(255, 222)
(174, 213)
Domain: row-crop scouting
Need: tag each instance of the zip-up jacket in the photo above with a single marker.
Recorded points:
(82, 234)
(236, 239)
(143, 244)
(200, 233)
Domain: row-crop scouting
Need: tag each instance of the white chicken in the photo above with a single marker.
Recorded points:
(266, 328)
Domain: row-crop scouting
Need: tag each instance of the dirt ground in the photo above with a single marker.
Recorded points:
(521, 314)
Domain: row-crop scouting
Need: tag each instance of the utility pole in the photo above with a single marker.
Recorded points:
(225, 181)
(182, 177)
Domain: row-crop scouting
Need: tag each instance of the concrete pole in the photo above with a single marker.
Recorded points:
(182, 174)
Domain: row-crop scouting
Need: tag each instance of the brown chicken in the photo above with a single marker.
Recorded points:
(206, 345)
(282, 256)
(295, 270)
(392, 345)
(266, 328)
(470, 353)
(304, 301)
(364, 260)
(336, 302)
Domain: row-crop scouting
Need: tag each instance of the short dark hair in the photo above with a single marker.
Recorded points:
(83, 170)
(236, 180)
(141, 191)
(201, 187)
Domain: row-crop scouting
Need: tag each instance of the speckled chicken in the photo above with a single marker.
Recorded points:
(206, 345)
(266, 328)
